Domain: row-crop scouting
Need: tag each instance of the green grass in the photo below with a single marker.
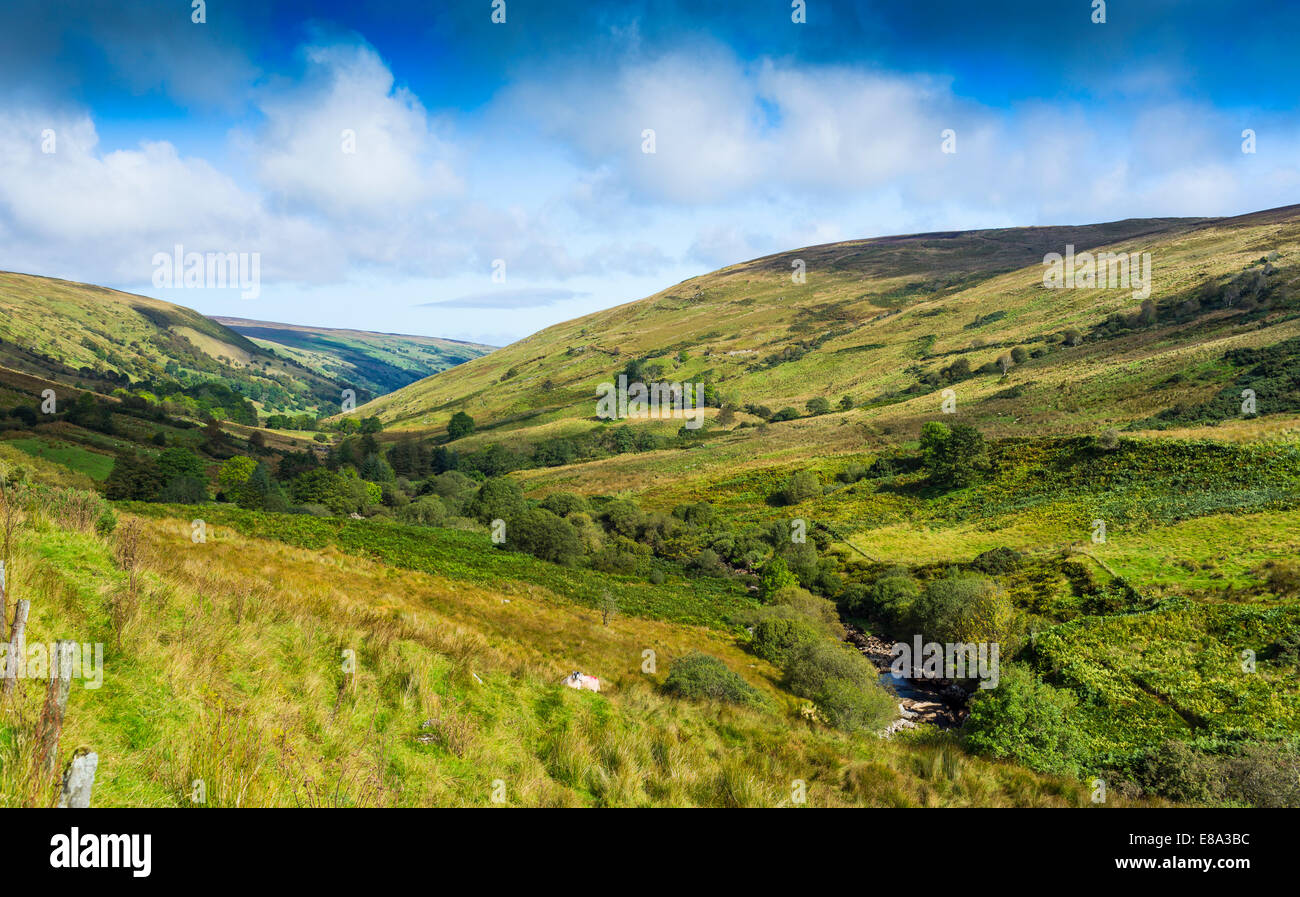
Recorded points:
(94, 464)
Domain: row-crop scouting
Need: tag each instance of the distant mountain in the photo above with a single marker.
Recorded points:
(377, 363)
(893, 322)
(102, 340)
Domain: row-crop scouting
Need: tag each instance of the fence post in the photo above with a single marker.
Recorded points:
(78, 780)
(16, 646)
(56, 704)
(4, 604)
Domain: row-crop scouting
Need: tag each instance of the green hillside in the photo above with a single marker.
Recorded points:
(375, 362)
(891, 322)
(103, 340)
(1101, 504)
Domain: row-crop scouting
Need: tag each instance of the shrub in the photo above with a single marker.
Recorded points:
(817, 405)
(543, 535)
(427, 510)
(1026, 720)
(802, 604)
(702, 676)
(775, 577)
(998, 560)
(1284, 578)
(785, 414)
(778, 639)
(707, 563)
(562, 504)
(842, 683)
(891, 598)
(1180, 772)
(497, 498)
(800, 486)
(624, 518)
(963, 608)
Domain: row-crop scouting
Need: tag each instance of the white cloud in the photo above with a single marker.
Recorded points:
(348, 101)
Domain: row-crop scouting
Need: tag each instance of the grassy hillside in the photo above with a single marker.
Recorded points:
(882, 320)
(102, 339)
(377, 363)
(1099, 504)
(222, 665)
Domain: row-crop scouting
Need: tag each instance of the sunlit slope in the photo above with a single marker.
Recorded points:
(875, 318)
(376, 362)
(103, 339)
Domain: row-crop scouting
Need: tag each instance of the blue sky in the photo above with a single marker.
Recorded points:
(521, 143)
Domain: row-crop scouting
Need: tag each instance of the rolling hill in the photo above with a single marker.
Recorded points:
(891, 322)
(375, 362)
(101, 339)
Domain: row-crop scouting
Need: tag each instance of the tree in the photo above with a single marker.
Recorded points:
(608, 607)
(543, 535)
(215, 441)
(817, 405)
(1026, 720)
(954, 456)
(497, 499)
(460, 426)
(132, 479)
(371, 424)
(235, 472)
(375, 469)
(775, 576)
(846, 403)
(800, 486)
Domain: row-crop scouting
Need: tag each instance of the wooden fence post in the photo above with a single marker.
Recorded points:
(78, 780)
(16, 646)
(56, 704)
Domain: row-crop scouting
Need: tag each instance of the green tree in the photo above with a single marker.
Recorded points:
(543, 535)
(1026, 720)
(775, 576)
(498, 498)
(956, 456)
(817, 405)
(235, 472)
(460, 425)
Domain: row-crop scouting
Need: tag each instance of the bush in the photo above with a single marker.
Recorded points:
(998, 560)
(799, 487)
(702, 676)
(891, 598)
(963, 608)
(543, 535)
(427, 510)
(1284, 578)
(778, 639)
(562, 504)
(1026, 720)
(497, 499)
(843, 684)
(1180, 772)
(955, 456)
(798, 602)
